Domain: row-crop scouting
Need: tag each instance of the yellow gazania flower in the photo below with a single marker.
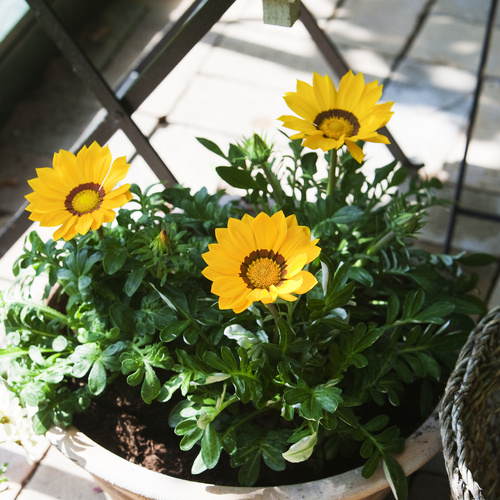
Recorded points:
(77, 194)
(260, 259)
(332, 118)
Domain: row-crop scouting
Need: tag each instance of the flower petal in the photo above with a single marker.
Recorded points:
(78, 177)
(329, 118)
(242, 272)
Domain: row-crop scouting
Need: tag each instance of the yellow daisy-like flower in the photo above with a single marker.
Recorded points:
(260, 259)
(331, 118)
(77, 194)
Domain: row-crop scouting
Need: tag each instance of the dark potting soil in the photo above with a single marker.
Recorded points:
(121, 422)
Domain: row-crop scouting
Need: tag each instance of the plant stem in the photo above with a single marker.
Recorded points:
(332, 172)
(274, 311)
(384, 241)
(276, 315)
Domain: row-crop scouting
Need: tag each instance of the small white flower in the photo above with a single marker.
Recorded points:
(15, 423)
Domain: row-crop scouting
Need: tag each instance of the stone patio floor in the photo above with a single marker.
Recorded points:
(231, 84)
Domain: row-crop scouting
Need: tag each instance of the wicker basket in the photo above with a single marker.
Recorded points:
(470, 415)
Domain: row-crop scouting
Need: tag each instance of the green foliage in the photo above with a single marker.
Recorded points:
(322, 379)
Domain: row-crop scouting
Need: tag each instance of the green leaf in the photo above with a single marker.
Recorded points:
(65, 275)
(399, 176)
(301, 450)
(211, 146)
(169, 387)
(362, 276)
(97, 378)
(83, 357)
(134, 280)
(210, 446)
(371, 465)
(367, 448)
(328, 398)
(173, 298)
(43, 420)
(436, 313)
(253, 446)
(341, 297)
(383, 173)
(430, 364)
(83, 283)
(477, 259)
(114, 259)
(306, 402)
(198, 465)
(246, 339)
(393, 305)
(236, 177)
(347, 215)
(189, 440)
(286, 334)
(171, 332)
(396, 477)
(215, 362)
(191, 335)
(59, 343)
(249, 471)
(413, 303)
(150, 385)
(122, 316)
(377, 423)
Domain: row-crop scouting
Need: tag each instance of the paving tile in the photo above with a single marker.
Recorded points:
(431, 107)
(470, 234)
(484, 150)
(372, 24)
(190, 163)
(373, 65)
(164, 98)
(230, 106)
(232, 84)
(19, 469)
(449, 40)
(468, 10)
(322, 9)
(265, 55)
(59, 478)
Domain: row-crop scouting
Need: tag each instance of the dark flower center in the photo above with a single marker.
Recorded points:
(263, 268)
(336, 123)
(84, 199)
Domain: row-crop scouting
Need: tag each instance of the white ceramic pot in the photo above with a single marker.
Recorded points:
(122, 480)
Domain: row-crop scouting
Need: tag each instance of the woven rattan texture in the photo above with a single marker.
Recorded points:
(470, 415)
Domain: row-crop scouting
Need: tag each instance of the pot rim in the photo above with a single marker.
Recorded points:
(420, 447)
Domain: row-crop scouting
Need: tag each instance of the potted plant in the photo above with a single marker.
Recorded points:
(281, 336)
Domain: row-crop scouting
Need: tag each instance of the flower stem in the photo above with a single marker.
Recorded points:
(332, 172)
(278, 195)
(276, 315)
(274, 311)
